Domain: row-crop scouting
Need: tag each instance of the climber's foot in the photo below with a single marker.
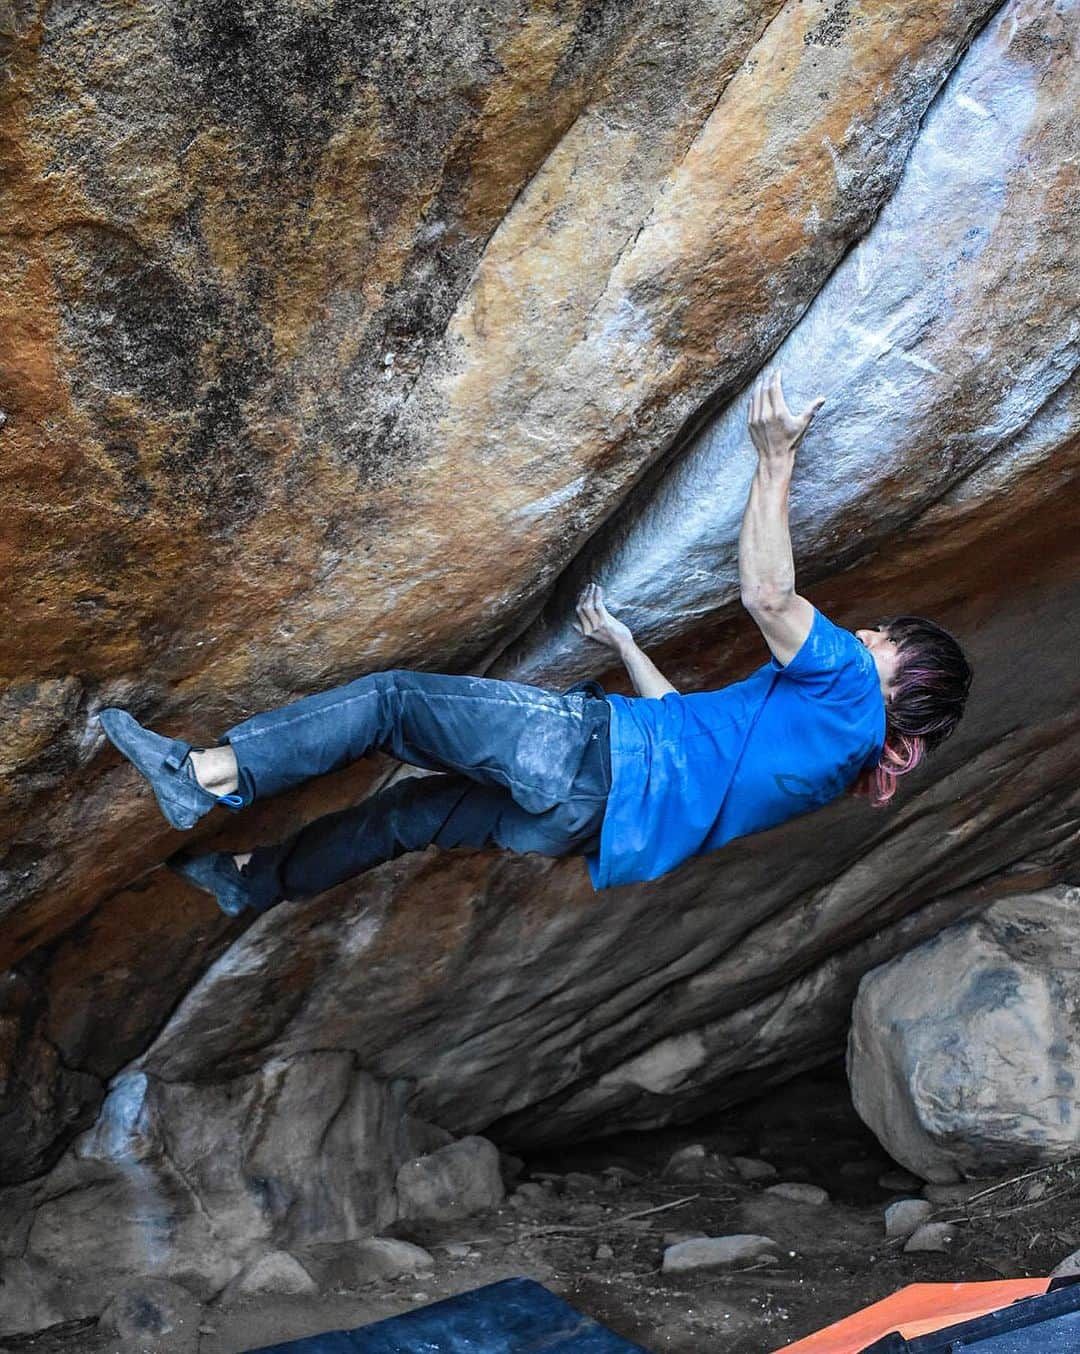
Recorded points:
(216, 874)
(166, 764)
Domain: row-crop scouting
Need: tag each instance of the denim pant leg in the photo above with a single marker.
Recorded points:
(524, 739)
(446, 811)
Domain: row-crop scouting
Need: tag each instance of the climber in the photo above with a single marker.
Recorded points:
(635, 784)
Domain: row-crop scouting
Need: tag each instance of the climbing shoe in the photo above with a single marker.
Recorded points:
(166, 765)
(218, 874)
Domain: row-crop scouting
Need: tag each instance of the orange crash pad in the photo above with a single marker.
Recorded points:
(915, 1310)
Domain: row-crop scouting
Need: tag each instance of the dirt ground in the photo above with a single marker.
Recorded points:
(612, 1193)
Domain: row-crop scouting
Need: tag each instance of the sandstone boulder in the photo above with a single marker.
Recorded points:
(331, 345)
(963, 1052)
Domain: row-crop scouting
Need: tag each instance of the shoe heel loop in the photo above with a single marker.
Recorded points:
(231, 801)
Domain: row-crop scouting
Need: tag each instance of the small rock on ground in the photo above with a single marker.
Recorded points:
(931, 1236)
(580, 1182)
(799, 1193)
(751, 1168)
(900, 1181)
(719, 1252)
(151, 1308)
(906, 1216)
(345, 1265)
(391, 1257)
(275, 1272)
(1064, 1268)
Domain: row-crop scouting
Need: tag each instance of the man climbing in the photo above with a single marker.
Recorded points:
(636, 785)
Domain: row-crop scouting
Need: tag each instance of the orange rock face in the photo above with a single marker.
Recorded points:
(334, 340)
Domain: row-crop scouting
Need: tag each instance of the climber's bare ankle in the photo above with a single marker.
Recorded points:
(216, 770)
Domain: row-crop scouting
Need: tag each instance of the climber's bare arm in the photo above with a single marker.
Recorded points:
(596, 622)
(766, 565)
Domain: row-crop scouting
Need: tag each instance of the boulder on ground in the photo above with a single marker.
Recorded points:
(152, 1309)
(274, 1272)
(964, 1053)
(455, 1180)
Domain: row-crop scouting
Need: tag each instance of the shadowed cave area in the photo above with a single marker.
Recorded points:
(347, 338)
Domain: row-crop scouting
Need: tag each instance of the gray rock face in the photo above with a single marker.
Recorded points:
(963, 1056)
(880, 342)
(208, 1183)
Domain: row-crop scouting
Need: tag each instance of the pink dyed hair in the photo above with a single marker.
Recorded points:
(931, 688)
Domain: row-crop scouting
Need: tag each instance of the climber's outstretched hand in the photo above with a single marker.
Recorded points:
(774, 430)
(595, 621)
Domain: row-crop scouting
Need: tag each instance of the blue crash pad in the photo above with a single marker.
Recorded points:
(516, 1316)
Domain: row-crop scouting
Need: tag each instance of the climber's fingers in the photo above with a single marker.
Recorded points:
(588, 609)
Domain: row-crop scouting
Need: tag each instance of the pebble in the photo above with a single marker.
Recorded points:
(457, 1250)
(603, 1252)
(580, 1182)
(529, 1193)
(902, 1182)
(751, 1168)
(906, 1216)
(799, 1193)
(931, 1236)
(719, 1252)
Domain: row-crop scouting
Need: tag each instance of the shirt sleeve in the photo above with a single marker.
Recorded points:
(829, 656)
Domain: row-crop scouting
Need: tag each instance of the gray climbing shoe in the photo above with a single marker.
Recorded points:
(165, 764)
(217, 874)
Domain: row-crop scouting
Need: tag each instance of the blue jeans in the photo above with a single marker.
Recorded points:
(524, 769)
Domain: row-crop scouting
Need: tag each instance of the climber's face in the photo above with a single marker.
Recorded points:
(886, 655)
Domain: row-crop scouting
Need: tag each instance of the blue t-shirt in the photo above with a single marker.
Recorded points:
(689, 773)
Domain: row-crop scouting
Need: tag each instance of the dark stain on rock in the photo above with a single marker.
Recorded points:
(990, 990)
(132, 320)
(830, 28)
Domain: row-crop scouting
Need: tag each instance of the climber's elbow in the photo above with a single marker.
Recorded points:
(762, 600)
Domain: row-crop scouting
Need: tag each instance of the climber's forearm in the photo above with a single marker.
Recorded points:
(766, 562)
(647, 678)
